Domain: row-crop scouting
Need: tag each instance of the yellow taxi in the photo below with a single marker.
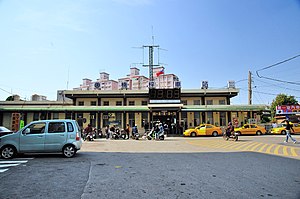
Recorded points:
(203, 129)
(280, 129)
(250, 129)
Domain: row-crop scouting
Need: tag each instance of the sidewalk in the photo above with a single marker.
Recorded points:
(175, 144)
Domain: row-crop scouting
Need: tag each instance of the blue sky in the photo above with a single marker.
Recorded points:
(48, 45)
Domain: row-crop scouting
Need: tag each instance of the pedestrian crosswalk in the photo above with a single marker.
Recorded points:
(6, 164)
(274, 149)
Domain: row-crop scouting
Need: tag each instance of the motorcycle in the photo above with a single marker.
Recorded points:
(90, 136)
(100, 134)
(119, 134)
(152, 135)
(135, 136)
(233, 136)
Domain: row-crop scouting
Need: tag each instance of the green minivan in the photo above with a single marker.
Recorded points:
(44, 136)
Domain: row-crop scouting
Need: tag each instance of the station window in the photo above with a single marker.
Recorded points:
(144, 103)
(184, 102)
(131, 103)
(93, 103)
(81, 103)
(118, 103)
(196, 119)
(118, 117)
(145, 119)
(105, 103)
(210, 118)
(196, 102)
(222, 102)
(55, 116)
(209, 102)
(43, 116)
(68, 116)
(36, 116)
(222, 118)
(131, 119)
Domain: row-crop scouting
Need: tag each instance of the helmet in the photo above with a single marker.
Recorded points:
(229, 123)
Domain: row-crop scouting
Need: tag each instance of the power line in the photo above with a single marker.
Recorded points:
(278, 63)
(281, 62)
(6, 91)
(278, 85)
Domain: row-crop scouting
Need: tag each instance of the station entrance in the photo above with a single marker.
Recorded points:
(168, 119)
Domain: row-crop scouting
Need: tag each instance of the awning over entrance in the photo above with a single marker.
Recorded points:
(167, 107)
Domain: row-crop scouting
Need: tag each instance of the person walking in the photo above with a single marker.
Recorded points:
(288, 128)
(127, 130)
(229, 129)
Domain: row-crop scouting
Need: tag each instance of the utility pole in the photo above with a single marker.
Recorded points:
(249, 88)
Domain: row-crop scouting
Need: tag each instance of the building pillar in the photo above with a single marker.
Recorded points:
(98, 115)
(177, 131)
(228, 117)
(124, 119)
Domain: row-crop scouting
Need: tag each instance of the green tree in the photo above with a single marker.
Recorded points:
(10, 98)
(282, 99)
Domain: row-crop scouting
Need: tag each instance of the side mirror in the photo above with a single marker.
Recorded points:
(26, 131)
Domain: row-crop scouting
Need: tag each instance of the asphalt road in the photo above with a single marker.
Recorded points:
(143, 169)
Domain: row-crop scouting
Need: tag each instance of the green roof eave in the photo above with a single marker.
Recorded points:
(200, 108)
(76, 108)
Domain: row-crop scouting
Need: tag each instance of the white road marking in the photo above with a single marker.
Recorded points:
(5, 164)
(8, 165)
(3, 170)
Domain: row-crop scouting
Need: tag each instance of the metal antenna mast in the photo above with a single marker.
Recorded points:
(150, 65)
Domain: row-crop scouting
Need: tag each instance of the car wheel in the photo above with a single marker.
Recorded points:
(258, 133)
(69, 151)
(193, 134)
(283, 132)
(215, 134)
(8, 152)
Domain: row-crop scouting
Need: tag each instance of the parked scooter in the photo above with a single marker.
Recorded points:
(90, 136)
(160, 135)
(152, 135)
(119, 134)
(99, 133)
(135, 136)
(135, 133)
